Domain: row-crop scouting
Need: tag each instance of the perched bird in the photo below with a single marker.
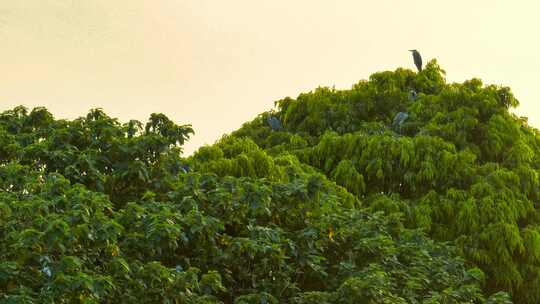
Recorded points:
(412, 95)
(274, 123)
(417, 59)
(185, 168)
(399, 119)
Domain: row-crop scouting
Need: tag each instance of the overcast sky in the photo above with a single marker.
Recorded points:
(216, 64)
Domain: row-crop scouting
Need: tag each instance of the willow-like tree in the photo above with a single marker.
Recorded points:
(463, 168)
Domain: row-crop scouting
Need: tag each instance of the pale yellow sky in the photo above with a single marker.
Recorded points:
(216, 64)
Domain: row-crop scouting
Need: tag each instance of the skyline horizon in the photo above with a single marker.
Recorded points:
(193, 149)
(216, 65)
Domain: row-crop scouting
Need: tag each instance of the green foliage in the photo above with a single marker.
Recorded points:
(335, 207)
(463, 168)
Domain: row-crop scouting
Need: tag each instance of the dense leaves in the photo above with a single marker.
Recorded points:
(336, 205)
(461, 167)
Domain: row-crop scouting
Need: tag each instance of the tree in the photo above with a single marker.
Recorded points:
(463, 169)
(334, 207)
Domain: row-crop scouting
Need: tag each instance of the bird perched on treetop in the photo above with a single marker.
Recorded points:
(417, 59)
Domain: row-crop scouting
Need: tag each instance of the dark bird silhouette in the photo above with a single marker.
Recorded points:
(417, 59)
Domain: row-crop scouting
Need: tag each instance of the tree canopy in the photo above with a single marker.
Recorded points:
(336, 205)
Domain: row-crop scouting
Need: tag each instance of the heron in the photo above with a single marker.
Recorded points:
(185, 168)
(417, 59)
(399, 119)
(274, 123)
(412, 95)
